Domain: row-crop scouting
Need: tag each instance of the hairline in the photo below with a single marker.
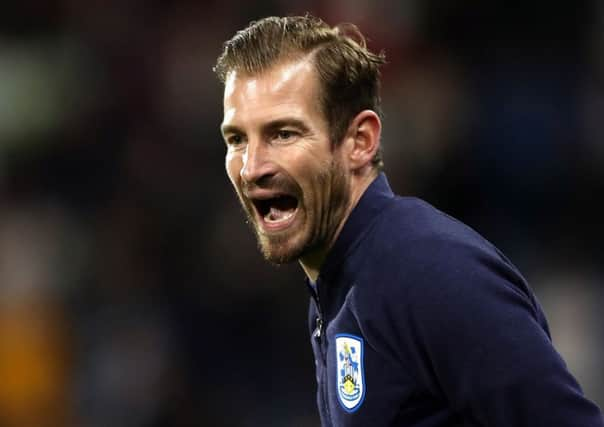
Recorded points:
(291, 57)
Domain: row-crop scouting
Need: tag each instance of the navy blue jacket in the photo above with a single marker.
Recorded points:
(418, 321)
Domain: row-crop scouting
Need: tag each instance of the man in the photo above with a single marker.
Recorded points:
(415, 319)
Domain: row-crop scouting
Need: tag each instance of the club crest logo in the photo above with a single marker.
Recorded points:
(350, 372)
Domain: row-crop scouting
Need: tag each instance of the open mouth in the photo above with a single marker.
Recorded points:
(276, 211)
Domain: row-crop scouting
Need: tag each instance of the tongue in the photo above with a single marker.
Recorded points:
(281, 208)
(276, 214)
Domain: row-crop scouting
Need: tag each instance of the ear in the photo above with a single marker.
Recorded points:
(363, 138)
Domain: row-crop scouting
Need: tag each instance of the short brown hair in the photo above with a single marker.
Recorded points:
(348, 72)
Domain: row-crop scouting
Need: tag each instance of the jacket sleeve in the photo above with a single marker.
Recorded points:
(480, 340)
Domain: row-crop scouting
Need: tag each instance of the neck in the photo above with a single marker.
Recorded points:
(312, 262)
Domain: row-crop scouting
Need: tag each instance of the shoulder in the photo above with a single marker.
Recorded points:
(413, 221)
(418, 256)
(417, 237)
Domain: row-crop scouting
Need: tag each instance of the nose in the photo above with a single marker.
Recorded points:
(257, 162)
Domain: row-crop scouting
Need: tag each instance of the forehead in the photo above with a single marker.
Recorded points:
(290, 85)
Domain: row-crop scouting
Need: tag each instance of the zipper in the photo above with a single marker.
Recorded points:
(318, 335)
(325, 398)
(318, 332)
(318, 329)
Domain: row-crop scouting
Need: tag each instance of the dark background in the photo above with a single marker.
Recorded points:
(131, 291)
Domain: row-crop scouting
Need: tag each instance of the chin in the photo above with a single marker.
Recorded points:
(279, 255)
(280, 252)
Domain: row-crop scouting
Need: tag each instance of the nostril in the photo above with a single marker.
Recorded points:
(248, 173)
(257, 162)
(257, 175)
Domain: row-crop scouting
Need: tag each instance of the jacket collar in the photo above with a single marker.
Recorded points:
(371, 203)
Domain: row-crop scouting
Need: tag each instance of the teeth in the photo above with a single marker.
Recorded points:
(275, 215)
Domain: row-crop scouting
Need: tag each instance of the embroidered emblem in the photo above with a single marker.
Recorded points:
(350, 372)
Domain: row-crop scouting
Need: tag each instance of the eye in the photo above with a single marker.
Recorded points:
(284, 134)
(234, 139)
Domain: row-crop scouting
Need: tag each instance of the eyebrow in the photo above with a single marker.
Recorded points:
(224, 129)
(280, 123)
(268, 127)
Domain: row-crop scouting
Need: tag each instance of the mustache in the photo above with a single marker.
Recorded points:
(277, 183)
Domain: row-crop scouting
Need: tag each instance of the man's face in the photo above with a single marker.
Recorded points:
(292, 183)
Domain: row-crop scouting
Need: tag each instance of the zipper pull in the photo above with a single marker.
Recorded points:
(319, 323)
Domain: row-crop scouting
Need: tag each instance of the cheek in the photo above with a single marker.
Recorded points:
(233, 164)
(310, 159)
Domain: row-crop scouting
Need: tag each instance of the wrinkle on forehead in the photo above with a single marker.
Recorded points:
(280, 75)
(229, 84)
(292, 70)
(229, 114)
(286, 88)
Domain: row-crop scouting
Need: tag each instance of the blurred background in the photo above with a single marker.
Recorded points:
(131, 291)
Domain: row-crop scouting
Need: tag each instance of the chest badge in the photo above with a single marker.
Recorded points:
(350, 379)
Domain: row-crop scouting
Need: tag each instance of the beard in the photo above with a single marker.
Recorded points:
(322, 212)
